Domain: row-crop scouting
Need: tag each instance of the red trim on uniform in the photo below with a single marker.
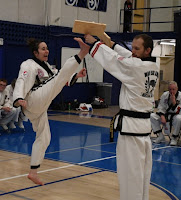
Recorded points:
(120, 58)
(67, 84)
(178, 110)
(96, 48)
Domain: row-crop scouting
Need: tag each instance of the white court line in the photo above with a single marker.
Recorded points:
(82, 163)
(162, 148)
(48, 170)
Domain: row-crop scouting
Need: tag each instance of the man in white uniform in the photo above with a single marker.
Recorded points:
(7, 112)
(168, 111)
(138, 73)
(37, 85)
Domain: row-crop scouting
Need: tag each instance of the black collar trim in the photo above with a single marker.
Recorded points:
(44, 65)
(152, 59)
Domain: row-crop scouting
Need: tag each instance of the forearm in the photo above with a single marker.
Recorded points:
(107, 58)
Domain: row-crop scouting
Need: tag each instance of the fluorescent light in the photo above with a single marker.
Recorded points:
(168, 43)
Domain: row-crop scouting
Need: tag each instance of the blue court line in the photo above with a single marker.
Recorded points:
(153, 150)
(77, 114)
(172, 196)
(19, 196)
(32, 187)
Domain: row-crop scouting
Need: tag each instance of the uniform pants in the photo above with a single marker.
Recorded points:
(19, 116)
(134, 164)
(7, 117)
(38, 102)
(156, 123)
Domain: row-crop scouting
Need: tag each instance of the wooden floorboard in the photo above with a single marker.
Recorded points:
(63, 181)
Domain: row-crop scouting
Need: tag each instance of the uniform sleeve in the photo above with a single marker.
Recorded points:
(116, 64)
(177, 107)
(8, 90)
(7, 102)
(122, 51)
(72, 80)
(162, 104)
(24, 83)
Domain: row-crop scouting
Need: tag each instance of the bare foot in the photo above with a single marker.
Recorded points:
(84, 48)
(34, 177)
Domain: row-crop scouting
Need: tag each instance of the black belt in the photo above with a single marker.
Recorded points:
(134, 114)
(128, 113)
(171, 119)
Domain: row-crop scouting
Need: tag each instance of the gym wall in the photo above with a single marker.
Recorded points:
(48, 20)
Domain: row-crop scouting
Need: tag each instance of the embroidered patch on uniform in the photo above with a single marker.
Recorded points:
(120, 58)
(40, 73)
(178, 110)
(25, 73)
(150, 83)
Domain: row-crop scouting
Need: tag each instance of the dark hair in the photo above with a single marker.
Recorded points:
(33, 44)
(13, 82)
(3, 80)
(148, 41)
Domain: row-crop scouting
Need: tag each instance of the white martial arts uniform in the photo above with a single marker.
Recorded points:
(19, 116)
(134, 152)
(39, 98)
(172, 113)
(6, 117)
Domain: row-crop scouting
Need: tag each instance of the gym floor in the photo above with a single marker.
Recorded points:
(80, 162)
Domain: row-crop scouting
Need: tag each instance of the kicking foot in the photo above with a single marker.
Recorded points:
(35, 179)
(84, 48)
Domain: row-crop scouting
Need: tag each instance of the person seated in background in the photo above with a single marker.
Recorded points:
(7, 112)
(19, 117)
(168, 111)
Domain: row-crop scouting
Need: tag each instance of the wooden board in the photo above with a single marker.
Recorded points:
(92, 28)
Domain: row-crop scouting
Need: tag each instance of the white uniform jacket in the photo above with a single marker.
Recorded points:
(30, 72)
(9, 90)
(138, 79)
(165, 106)
(4, 99)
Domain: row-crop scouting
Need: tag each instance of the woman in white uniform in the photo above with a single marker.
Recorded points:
(37, 85)
(138, 72)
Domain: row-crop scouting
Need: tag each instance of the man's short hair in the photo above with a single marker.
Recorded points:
(148, 41)
(172, 83)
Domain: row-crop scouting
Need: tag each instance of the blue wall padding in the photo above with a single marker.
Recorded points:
(82, 92)
(14, 52)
